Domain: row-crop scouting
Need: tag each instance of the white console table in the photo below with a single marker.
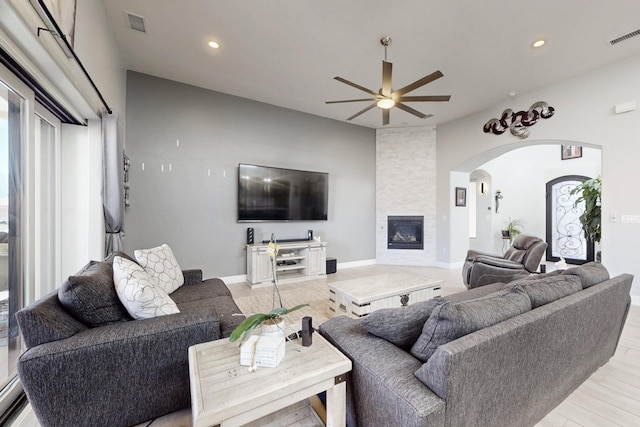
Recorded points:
(297, 261)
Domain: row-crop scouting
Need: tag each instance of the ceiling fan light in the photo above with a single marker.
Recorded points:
(386, 103)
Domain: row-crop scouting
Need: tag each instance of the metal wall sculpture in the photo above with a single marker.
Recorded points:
(518, 122)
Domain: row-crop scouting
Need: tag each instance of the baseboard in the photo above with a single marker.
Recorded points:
(356, 263)
(234, 279)
(635, 300)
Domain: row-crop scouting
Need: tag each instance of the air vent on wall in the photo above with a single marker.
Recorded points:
(136, 22)
(625, 37)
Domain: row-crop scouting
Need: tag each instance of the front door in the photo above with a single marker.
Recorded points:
(565, 236)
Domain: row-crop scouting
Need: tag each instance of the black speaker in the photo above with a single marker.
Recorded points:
(310, 235)
(250, 236)
(307, 330)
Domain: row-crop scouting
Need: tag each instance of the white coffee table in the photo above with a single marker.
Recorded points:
(227, 394)
(359, 297)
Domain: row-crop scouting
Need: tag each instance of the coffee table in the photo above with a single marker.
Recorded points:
(227, 394)
(359, 297)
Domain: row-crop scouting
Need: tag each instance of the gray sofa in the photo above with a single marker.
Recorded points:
(488, 368)
(87, 363)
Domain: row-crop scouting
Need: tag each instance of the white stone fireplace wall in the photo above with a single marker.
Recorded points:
(406, 185)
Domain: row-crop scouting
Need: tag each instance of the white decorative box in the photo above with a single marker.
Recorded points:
(263, 351)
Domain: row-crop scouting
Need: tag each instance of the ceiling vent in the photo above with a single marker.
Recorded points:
(136, 22)
(625, 37)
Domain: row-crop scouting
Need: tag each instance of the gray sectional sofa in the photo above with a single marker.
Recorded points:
(498, 355)
(88, 363)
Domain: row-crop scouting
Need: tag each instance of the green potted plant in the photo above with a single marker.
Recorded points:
(274, 317)
(590, 192)
(514, 227)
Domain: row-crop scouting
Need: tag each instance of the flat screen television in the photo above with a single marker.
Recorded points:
(276, 194)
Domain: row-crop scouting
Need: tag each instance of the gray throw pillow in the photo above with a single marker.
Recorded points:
(590, 273)
(401, 325)
(549, 288)
(449, 321)
(90, 296)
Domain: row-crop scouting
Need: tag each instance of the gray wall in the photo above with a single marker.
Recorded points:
(191, 205)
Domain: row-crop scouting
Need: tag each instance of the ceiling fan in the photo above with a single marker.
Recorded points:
(387, 98)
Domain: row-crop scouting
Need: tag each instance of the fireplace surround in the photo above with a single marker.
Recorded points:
(405, 232)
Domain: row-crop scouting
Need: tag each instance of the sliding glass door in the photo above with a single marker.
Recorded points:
(29, 215)
(12, 135)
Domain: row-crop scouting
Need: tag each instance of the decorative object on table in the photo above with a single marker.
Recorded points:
(461, 196)
(570, 152)
(274, 317)
(590, 193)
(386, 98)
(514, 227)
(520, 121)
(262, 351)
(499, 197)
(307, 330)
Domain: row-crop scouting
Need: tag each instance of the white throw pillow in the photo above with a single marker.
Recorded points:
(161, 265)
(138, 293)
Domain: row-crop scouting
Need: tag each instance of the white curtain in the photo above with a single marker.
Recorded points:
(112, 183)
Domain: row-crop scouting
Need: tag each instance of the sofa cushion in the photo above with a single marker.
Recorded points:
(90, 296)
(590, 273)
(45, 321)
(547, 289)
(450, 321)
(229, 315)
(401, 325)
(207, 289)
(161, 265)
(139, 293)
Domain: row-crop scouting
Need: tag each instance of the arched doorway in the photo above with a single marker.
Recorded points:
(520, 172)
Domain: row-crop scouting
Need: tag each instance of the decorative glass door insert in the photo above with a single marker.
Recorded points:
(565, 235)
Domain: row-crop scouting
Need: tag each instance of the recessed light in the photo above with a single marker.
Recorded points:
(539, 43)
(214, 44)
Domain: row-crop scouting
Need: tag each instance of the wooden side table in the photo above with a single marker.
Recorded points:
(227, 394)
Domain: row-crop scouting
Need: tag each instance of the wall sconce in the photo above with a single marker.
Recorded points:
(482, 189)
(498, 197)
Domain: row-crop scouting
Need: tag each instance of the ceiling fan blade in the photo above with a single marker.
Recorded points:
(386, 79)
(433, 98)
(349, 100)
(357, 86)
(412, 111)
(418, 83)
(385, 116)
(362, 111)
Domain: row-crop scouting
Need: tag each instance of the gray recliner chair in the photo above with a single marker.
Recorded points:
(522, 258)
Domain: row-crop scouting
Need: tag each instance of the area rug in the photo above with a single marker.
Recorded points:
(313, 292)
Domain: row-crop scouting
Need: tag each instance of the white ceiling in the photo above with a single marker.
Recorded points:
(286, 52)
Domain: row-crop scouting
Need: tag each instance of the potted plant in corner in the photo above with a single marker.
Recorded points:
(514, 227)
(590, 192)
(272, 318)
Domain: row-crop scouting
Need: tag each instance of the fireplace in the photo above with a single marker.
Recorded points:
(405, 232)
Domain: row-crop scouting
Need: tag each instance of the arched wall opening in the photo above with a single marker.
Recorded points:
(520, 171)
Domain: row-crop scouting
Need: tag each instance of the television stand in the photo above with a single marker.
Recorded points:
(287, 240)
(297, 260)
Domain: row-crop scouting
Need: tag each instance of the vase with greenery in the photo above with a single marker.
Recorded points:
(590, 192)
(274, 317)
(514, 227)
